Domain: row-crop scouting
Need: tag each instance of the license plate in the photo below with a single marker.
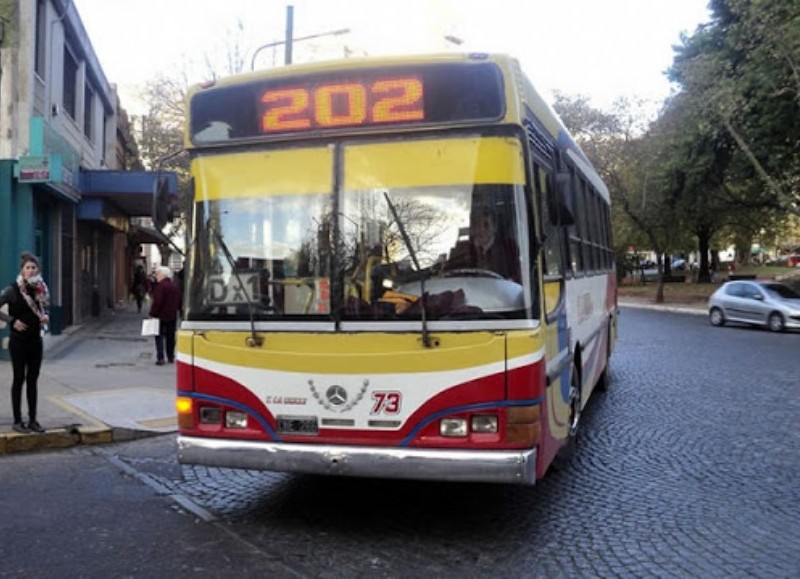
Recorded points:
(306, 425)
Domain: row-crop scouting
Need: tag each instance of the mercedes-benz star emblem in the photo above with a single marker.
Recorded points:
(336, 395)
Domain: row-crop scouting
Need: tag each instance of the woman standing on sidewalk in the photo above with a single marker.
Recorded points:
(27, 315)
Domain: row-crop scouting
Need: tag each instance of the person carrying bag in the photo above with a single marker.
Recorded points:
(150, 327)
(166, 306)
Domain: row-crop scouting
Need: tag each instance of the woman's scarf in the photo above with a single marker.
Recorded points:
(38, 301)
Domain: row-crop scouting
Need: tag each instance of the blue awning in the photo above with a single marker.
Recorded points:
(129, 191)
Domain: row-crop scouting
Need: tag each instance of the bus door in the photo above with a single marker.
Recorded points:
(558, 354)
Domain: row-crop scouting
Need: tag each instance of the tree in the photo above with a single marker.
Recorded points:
(644, 193)
(163, 125)
(693, 152)
(743, 71)
(161, 140)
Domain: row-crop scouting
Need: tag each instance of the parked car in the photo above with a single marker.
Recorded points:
(764, 303)
(792, 260)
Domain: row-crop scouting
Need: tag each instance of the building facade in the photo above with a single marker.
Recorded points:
(67, 193)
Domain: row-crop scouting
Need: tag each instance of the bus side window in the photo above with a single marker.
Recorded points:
(569, 192)
(553, 254)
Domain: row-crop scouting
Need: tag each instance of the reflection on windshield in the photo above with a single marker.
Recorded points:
(464, 237)
(281, 251)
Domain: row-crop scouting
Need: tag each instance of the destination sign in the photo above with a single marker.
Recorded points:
(347, 98)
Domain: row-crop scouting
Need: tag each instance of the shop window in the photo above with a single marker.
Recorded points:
(70, 83)
(41, 38)
(88, 111)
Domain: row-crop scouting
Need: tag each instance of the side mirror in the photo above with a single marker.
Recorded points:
(162, 204)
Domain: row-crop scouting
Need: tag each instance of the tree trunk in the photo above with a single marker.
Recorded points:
(660, 286)
(703, 244)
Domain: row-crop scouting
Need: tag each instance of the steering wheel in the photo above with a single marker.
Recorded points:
(472, 272)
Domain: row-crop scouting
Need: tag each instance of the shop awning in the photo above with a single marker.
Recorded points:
(130, 191)
(144, 235)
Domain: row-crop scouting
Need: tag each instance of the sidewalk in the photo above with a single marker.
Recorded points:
(98, 384)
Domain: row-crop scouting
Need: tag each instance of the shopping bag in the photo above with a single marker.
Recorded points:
(150, 327)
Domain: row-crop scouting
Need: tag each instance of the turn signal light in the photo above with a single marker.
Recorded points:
(524, 424)
(184, 407)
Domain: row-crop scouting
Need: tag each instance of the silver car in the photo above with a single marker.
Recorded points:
(763, 303)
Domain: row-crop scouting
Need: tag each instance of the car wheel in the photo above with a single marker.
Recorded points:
(716, 317)
(775, 322)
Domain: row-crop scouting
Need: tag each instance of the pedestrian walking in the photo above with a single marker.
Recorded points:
(139, 286)
(166, 307)
(27, 300)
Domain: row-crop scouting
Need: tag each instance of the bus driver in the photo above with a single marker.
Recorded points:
(487, 247)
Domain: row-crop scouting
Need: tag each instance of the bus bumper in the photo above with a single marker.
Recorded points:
(492, 466)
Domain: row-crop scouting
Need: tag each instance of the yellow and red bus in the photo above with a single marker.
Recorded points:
(398, 267)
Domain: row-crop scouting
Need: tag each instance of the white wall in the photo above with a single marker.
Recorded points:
(23, 93)
(16, 85)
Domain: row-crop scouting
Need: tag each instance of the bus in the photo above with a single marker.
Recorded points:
(398, 267)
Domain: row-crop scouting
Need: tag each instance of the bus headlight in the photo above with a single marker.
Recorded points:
(484, 424)
(453, 427)
(210, 415)
(235, 419)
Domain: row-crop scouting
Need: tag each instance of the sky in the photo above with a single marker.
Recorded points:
(600, 49)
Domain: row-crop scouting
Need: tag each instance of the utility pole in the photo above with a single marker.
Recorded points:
(289, 33)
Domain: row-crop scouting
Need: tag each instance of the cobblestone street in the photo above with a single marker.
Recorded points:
(687, 467)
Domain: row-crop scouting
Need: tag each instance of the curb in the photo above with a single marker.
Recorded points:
(678, 309)
(75, 435)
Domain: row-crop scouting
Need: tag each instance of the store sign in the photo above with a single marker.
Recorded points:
(34, 169)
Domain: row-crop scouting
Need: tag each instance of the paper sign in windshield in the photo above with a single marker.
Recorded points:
(234, 289)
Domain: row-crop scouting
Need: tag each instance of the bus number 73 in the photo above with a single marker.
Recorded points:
(386, 402)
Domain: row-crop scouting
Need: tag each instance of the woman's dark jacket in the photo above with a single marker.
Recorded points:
(18, 309)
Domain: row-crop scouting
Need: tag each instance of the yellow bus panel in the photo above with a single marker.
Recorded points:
(434, 162)
(264, 173)
(369, 353)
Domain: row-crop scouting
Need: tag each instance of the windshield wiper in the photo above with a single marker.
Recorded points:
(254, 340)
(426, 340)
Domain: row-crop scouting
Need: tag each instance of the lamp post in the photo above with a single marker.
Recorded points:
(289, 43)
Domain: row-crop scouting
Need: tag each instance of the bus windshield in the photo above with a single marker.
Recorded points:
(440, 217)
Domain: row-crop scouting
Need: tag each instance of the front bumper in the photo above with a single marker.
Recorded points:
(492, 466)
